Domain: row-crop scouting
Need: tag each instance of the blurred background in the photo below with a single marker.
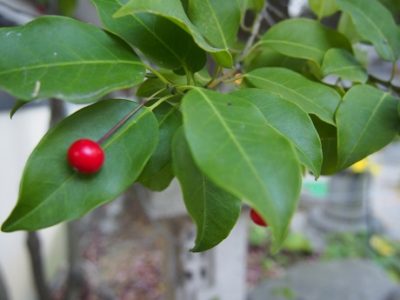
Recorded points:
(344, 242)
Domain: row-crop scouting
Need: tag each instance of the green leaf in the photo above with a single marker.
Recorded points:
(214, 210)
(236, 148)
(312, 97)
(328, 136)
(367, 120)
(150, 87)
(323, 8)
(52, 192)
(67, 7)
(375, 24)
(303, 38)
(18, 104)
(159, 39)
(267, 57)
(290, 121)
(160, 180)
(169, 120)
(343, 64)
(255, 5)
(219, 23)
(66, 59)
(174, 11)
(347, 28)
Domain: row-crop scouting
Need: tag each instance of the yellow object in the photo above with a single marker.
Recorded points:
(238, 79)
(365, 165)
(381, 246)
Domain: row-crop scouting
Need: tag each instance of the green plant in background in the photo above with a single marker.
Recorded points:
(240, 128)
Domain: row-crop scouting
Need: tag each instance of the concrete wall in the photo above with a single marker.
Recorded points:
(18, 138)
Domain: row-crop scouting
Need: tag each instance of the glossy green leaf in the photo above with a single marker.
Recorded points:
(343, 64)
(290, 121)
(312, 97)
(348, 29)
(174, 11)
(169, 120)
(161, 179)
(255, 5)
(267, 57)
(214, 210)
(218, 22)
(323, 8)
(18, 104)
(66, 59)
(328, 136)
(150, 87)
(235, 147)
(52, 192)
(367, 120)
(392, 5)
(159, 39)
(303, 38)
(375, 24)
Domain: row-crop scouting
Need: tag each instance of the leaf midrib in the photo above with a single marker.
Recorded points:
(71, 63)
(275, 41)
(69, 178)
(379, 31)
(293, 91)
(235, 142)
(176, 55)
(338, 69)
(216, 20)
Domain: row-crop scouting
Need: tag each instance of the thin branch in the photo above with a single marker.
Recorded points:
(254, 32)
(39, 277)
(3, 288)
(276, 11)
(269, 19)
(221, 79)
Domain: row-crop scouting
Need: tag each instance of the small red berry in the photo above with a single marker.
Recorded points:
(86, 156)
(257, 219)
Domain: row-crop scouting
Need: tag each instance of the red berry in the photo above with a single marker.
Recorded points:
(257, 219)
(86, 156)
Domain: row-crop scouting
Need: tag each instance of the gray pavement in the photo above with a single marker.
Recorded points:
(335, 280)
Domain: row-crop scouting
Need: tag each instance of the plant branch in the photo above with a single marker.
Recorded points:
(254, 32)
(213, 84)
(34, 248)
(276, 11)
(3, 288)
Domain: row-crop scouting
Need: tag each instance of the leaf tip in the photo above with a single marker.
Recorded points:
(7, 226)
(120, 13)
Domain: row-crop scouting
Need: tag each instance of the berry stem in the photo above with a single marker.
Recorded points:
(121, 123)
(129, 115)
